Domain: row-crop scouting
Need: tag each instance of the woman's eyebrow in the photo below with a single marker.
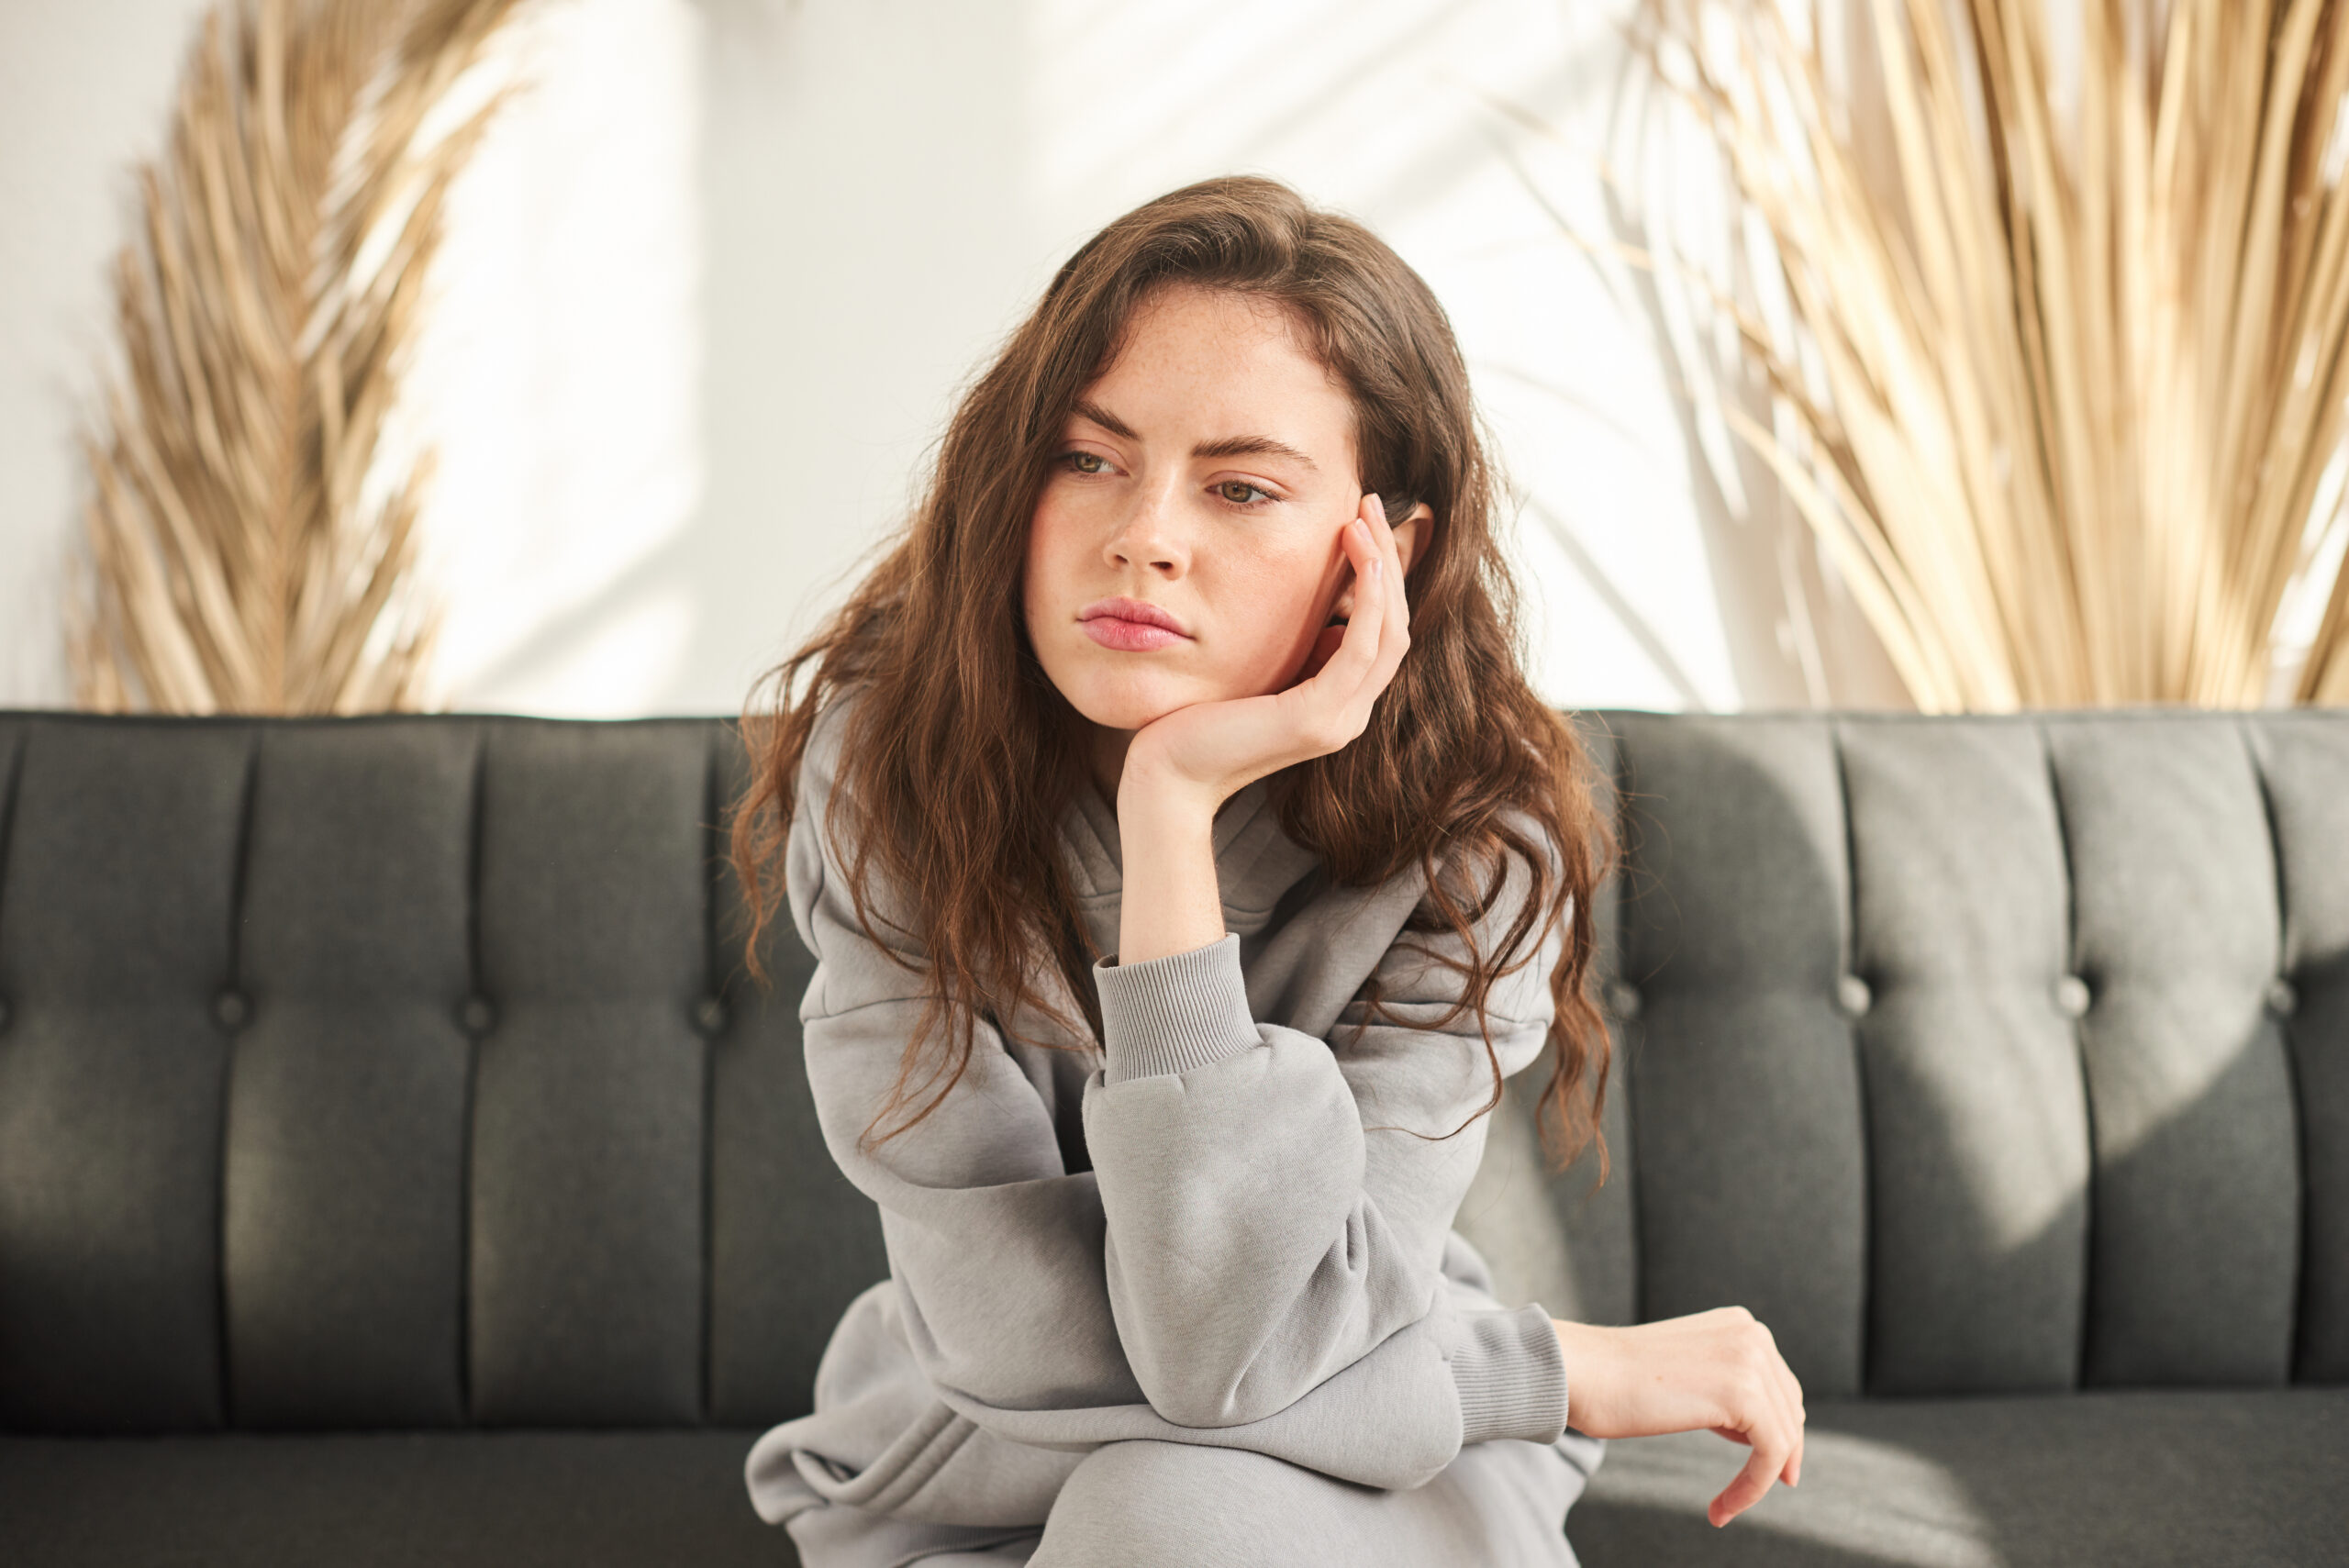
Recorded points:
(1230, 446)
(1252, 446)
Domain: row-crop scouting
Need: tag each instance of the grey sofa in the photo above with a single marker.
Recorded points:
(396, 1165)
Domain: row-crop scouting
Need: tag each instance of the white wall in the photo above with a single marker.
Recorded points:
(710, 288)
(83, 91)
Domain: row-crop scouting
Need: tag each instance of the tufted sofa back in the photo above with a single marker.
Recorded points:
(401, 1072)
(397, 1073)
(1972, 1054)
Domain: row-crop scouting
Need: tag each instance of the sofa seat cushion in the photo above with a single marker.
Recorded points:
(369, 1501)
(2144, 1478)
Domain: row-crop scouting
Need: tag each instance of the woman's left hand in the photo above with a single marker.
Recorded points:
(1212, 751)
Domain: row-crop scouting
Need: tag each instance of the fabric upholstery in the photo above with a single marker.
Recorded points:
(479, 1499)
(2011, 1481)
(398, 1072)
(363, 1081)
(1974, 1055)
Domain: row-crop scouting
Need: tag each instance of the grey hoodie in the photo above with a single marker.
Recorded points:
(1222, 1223)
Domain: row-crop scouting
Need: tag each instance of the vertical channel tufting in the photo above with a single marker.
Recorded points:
(12, 758)
(2073, 985)
(473, 829)
(233, 1011)
(112, 948)
(1855, 998)
(2197, 1186)
(472, 1071)
(711, 1011)
(472, 1061)
(587, 1249)
(1746, 1092)
(2304, 762)
(792, 1241)
(2285, 965)
(1603, 1229)
(342, 1186)
(1978, 1151)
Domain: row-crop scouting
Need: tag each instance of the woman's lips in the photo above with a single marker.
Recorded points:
(1129, 636)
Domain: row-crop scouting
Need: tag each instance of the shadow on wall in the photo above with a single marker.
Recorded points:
(1795, 638)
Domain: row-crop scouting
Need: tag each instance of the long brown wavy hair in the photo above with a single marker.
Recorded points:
(958, 710)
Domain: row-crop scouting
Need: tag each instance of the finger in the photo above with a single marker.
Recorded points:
(1793, 1392)
(1751, 1481)
(1789, 1394)
(1772, 1399)
(1357, 654)
(1792, 1471)
(1377, 583)
(1767, 1408)
(1778, 1396)
(1396, 635)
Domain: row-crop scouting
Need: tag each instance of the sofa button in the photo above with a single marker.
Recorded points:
(1621, 998)
(477, 1014)
(232, 1009)
(2281, 997)
(1852, 995)
(709, 1014)
(2073, 997)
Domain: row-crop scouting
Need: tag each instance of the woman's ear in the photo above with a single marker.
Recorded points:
(1411, 535)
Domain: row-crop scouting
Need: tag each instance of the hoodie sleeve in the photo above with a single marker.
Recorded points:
(1278, 1204)
(996, 1247)
(999, 1256)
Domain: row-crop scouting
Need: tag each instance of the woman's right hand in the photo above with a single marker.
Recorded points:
(1717, 1369)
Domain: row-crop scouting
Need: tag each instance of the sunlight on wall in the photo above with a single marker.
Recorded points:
(85, 93)
(620, 663)
(558, 372)
(710, 287)
(1394, 111)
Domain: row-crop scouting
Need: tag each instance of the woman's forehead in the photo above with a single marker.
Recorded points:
(1218, 367)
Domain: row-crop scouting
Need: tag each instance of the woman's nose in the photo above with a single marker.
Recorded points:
(1150, 530)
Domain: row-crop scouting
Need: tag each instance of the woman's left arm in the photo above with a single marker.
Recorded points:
(1278, 1204)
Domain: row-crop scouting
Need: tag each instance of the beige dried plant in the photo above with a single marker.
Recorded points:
(240, 557)
(2066, 387)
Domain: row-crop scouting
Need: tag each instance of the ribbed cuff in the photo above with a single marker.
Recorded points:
(1512, 1376)
(1171, 1014)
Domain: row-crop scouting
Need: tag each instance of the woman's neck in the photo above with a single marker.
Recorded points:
(1107, 759)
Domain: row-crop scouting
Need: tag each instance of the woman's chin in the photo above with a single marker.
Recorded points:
(1131, 700)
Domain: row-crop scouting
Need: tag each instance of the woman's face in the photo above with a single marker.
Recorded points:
(1206, 476)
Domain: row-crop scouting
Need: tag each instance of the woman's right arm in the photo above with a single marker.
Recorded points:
(1719, 1371)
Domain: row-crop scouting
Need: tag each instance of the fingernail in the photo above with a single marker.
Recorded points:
(1377, 566)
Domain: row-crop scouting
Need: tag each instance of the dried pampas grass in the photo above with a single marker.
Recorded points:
(2067, 388)
(239, 560)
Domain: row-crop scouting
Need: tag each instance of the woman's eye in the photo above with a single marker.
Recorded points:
(1085, 463)
(1237, 492)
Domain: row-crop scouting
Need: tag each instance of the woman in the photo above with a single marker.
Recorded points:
(1188, 862)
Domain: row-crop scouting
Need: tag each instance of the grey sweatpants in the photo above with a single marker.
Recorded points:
(1161, 1505)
